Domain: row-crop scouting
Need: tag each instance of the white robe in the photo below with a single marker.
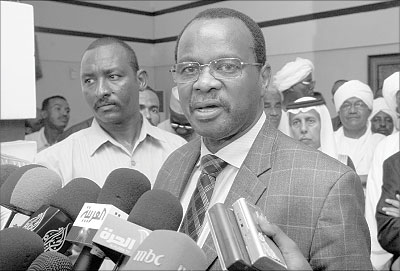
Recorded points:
(386, 148)
(360, 150)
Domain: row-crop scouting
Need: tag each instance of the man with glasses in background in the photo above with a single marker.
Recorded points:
(222, 75)
(177, 123)
(353, 102)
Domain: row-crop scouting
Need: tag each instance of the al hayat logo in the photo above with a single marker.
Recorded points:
(54, 239)
(33, 223)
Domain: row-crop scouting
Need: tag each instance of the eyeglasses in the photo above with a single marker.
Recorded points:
(222, 68)
(176, 126)
(357, 105)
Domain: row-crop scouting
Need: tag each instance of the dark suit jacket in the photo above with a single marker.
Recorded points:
(316, 200)
(388, 226)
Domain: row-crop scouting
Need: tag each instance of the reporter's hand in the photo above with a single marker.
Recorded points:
(291, 253)
(395, 210)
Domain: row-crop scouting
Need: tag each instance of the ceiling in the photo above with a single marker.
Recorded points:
(149, 6)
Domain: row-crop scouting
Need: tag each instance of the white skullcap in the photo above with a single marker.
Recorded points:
(174, 102)
(292, 73)
(390, 88)
(353, 88)
(327, 139)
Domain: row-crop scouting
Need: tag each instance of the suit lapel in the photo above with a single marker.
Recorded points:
(181, 168)
(248, 183)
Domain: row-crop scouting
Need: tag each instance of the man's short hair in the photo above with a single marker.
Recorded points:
(221, 13)
(110, 40)
(337, 84)
(45, 103)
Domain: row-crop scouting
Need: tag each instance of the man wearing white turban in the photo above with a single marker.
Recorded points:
(177, 123)
(380, 258)
(382, 118)
(295, 80)
(353, 102)
(391, 94)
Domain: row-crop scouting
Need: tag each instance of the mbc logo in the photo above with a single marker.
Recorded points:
(148, 257)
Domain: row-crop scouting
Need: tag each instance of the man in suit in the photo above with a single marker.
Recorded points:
(387, 210)
(222, 75)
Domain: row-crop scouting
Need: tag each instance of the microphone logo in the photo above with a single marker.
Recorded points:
(34, 222)
(148, 257)
(54, 239)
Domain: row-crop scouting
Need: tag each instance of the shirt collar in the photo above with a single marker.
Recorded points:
(43, 137)
(98, 136)
(235, 153)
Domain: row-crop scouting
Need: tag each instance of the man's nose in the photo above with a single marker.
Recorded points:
(303, 128)
(206, 80)
(102, 88)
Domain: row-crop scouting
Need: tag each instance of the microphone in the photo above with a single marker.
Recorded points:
(51, 261)
(9, 184)
(227, 238)
(167, 250)
(18, 249)
(25, 190)
(121, 190)
(54, 219)
(155, 210)
(5, 171)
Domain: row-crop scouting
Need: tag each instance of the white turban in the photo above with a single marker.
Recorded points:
(380, 104)
(327, 139)
(292, 73)
(390, 88)
(174, 102)
(353, 88)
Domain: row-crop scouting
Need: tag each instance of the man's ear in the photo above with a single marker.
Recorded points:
(265, 78)
(312, 85)
(44, 114)
(142, 77)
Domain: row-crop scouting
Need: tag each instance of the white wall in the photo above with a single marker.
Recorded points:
(338, 46)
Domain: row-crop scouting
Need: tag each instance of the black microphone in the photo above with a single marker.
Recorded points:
(51, 261)
(122, 189)
(5, 171)
(155, 210)
(25, 191)
(53, 220)
(18, 249)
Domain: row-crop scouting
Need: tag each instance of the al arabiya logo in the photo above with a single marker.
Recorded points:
(54, 239)
(32, 223)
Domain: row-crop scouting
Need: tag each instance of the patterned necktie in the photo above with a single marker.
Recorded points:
(198, 205)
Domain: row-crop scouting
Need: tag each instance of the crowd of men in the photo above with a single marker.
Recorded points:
(269, 139)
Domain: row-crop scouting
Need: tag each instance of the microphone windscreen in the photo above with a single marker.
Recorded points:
(73, 195)
(167, 250)
(5, 171)
(123, 187)
(19, 247)
(35, 188)
(8, 186)
(157, 210)
(51, 261)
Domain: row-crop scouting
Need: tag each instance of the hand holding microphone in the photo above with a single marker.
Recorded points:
(293, 257)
